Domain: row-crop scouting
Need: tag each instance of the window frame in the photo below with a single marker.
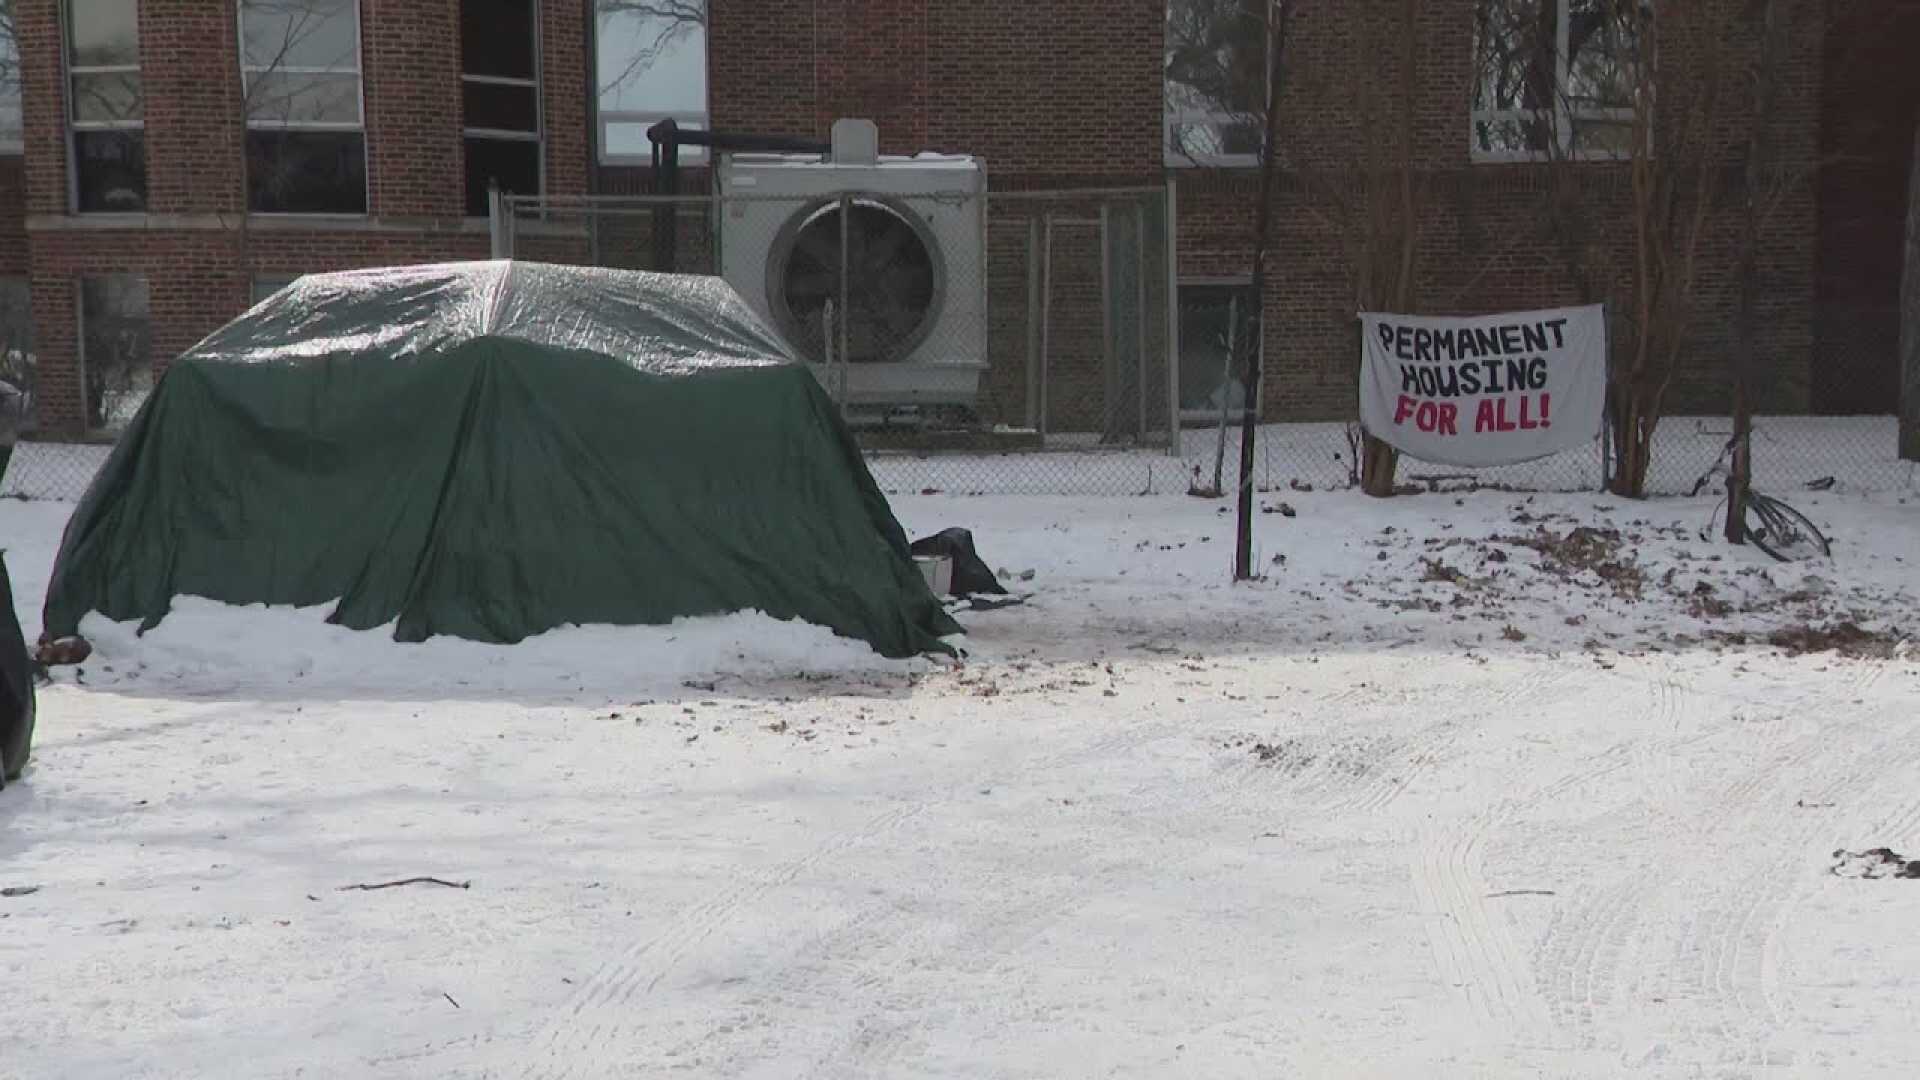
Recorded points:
(1565, 119)
(537, 84)
(69, 72)
(605, 118)
(15, 144)
(1172, 119)
(359, 74)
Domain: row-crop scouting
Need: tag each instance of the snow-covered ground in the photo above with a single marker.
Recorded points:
(1470, 785)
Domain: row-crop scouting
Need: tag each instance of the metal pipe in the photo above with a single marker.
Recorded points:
(846, 293)
(496, 222)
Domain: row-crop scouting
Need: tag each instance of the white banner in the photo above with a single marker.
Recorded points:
(1489, 390)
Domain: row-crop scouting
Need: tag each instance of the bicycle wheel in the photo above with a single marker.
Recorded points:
(1783, 532)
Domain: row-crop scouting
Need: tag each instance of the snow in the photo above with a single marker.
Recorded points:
(1455, 790)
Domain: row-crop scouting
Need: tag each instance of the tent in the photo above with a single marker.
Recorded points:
(16, 687)
(490, 450)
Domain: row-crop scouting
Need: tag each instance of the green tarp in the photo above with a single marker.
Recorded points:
(492, 450)
(16, 687)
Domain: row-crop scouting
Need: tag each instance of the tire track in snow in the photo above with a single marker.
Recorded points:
(1476, 954)
(1416, 757)
(587, 1036)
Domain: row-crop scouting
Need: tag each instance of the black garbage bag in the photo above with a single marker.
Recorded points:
(970, 574)
(16, 687)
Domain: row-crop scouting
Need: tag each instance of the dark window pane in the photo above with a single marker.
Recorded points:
(104, 33)
(267, 284)
(300, 34)
(502, 108)
(1515, 42)
(116, 348)
(16, 350)
(496, 38)
(514, 164)
(1216, 323)
(110, 171)
(105, 99)
(306, 172)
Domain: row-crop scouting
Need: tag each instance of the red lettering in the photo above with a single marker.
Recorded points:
(1526, 422)
(1402, 410)
(1483, 417)
(1546, 407)
(1503, 424)
(1449, 419)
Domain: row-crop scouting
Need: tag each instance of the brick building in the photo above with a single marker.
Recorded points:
(164, 161)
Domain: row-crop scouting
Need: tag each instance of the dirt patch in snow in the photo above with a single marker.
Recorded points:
(1847, 638)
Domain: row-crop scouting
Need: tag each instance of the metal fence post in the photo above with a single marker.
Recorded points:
(1174, 439)
(1033, 323)
(1140, 312)
(501, 247)
(1109, 363)
(1046, 317)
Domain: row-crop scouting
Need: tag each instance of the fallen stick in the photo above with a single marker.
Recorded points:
(408, 881)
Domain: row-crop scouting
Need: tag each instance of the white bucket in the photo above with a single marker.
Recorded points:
(938, 572)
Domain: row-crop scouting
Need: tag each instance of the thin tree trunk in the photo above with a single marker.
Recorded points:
(1281, 10)
(1759, 164)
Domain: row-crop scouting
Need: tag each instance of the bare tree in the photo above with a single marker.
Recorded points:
(672, 23)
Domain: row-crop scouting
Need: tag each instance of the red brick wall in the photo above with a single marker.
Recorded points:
(410, 50)
(190, 72)
(1868, 111)
(198, 261)
(1484, 244)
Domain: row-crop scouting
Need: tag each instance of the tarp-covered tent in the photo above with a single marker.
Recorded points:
(16, 687)
(491, 450)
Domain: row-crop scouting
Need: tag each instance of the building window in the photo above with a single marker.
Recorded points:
(11, 132)
(16, 342)
(1555, 77)
(1216, 81)
(116, 348)
(105, 106)
(306, 141)
(651, 64)
(1217, 319)
(265, 285)
(500, 91)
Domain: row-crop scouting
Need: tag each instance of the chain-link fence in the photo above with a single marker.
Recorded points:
(1039, 343)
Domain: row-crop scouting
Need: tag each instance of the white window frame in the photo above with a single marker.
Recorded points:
(74, 124)
(358, 71)
(1173, 119)
(689, 155)
(1564, 117)
(606, 118)
(538, 136)
(13, 139)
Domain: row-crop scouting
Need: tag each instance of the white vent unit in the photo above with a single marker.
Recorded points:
(916, 279)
